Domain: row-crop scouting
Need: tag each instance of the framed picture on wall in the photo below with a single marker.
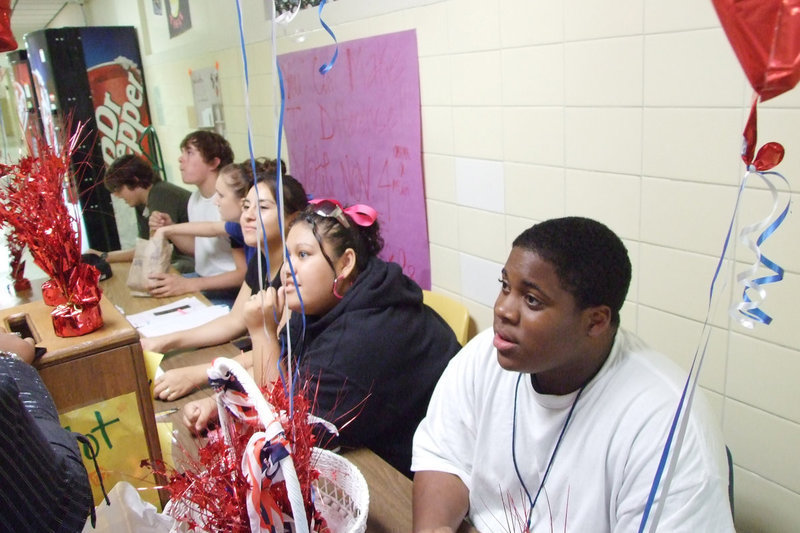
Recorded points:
(157, 7)
(179, 18)
(285, 10)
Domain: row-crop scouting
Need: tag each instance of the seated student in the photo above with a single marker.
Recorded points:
(556, 418)
(233, 182)
(203, 154)
(371, 350)
(43, 483)
(259, 205)
(132, 178)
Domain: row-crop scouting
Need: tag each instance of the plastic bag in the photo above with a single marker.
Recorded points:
(128, 512)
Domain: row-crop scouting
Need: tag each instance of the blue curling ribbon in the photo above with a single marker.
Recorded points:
(243, 48)
(296, 373)
(747, 311)
(676, 433)
(279, 182)
(329, 65)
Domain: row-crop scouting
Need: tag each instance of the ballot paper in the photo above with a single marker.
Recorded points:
(177, 316)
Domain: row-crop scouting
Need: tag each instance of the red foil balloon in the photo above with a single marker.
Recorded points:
(765, 35)
(7, 41)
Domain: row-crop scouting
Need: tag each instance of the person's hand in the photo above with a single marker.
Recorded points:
(154, 344)
(160, 233)
(266, 304)
(198, 414)
(179, 382)
(162, 285)
(158, 219)
(24, 348)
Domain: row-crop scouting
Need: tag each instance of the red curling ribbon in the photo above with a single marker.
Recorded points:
(768, 156)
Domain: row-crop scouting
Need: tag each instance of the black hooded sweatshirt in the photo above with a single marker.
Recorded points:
(373, 360)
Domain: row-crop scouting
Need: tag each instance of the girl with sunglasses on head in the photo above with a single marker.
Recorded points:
(371, 351)
(259, 206)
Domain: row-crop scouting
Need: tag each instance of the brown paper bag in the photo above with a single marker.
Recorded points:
(151, 257)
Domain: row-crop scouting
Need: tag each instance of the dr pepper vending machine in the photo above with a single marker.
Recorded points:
(92, 76)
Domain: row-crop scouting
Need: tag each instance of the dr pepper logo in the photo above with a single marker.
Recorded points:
(120, 109)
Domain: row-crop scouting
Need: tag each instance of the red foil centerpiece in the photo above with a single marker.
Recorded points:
(33, 202)
(15, 248)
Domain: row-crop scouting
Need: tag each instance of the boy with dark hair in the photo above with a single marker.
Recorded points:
(132, 178)
(556, 418)
(203, 154)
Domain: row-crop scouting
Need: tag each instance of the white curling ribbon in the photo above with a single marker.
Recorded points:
(755, 293)
(222, 367)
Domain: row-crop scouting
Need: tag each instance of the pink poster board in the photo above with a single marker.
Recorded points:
(354, 134)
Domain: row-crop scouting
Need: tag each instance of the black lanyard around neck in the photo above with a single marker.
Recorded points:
(532, 501)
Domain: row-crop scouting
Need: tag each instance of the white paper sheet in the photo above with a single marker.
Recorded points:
(177, 316)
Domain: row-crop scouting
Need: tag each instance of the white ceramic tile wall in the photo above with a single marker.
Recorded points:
(604, 138)
(539, 75)
(533, 135)
(534, 191)
(605, 72)
(480, 184)
(525, 23)
(624, 110)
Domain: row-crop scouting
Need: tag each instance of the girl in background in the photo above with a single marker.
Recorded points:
(233, 182)
(259, 205)
(371, 351)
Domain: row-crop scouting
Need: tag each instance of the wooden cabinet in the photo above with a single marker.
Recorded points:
(85, 370)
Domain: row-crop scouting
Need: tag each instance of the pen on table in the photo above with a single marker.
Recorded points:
(164, 312)
(166, 413)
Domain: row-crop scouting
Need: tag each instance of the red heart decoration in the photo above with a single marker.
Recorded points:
(768, 156)
(765, 35)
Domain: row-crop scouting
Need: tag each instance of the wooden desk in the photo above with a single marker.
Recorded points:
(91, 368)
(389, 490)
(10, 298)
(104, 364)
(116, 289)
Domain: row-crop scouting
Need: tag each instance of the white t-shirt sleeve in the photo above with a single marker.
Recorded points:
(445, 439)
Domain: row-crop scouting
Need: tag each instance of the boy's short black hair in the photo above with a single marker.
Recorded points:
(131, 170)
(590, 260)
(210, 145)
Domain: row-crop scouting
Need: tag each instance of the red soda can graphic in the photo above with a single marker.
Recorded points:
(120, 107)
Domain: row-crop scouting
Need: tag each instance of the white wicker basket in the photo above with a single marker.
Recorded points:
(343, 497)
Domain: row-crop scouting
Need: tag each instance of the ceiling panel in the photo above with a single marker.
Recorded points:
(32, 15)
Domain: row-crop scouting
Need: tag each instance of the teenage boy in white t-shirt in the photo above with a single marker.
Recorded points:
(555, 418)
(203, 154)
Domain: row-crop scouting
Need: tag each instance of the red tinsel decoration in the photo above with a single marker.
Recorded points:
(15, 249)
(210, 492)
(32, 203)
